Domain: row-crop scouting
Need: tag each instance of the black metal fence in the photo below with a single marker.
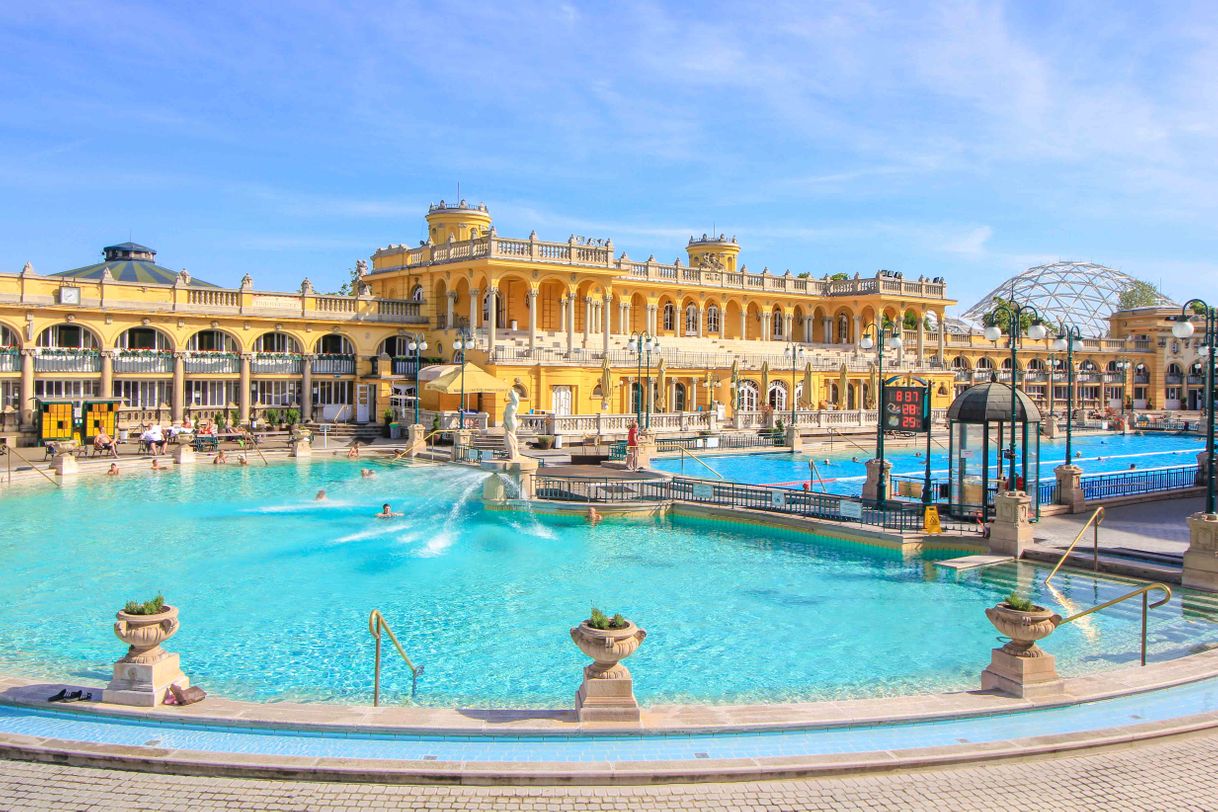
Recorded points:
(1150, 480)
(892, 516)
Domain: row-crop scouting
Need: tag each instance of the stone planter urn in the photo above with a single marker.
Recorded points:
(144, 675)
(145, 633)
(607, 693)
(1020, 667)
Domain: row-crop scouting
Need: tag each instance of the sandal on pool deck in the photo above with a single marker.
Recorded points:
(59, 697)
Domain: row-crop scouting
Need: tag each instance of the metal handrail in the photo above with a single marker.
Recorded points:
(696, 459)
(1146, 605)
(1094, 522)
(11, 450)
(376, 622)
(426, 437)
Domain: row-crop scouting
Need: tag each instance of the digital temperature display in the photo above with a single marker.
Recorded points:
(905, 408)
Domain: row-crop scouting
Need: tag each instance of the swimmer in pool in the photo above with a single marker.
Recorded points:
(387, 512)
(321, 496)
(593, 516)
(113, 470)
(367, 473)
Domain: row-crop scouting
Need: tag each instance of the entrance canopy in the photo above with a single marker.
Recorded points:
(979, 455)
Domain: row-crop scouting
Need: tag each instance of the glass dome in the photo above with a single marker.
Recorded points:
(1080, 293)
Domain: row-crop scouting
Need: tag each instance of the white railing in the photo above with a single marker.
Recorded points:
(143, 361)
(274, 363)
(10, 360)
(67, 360)
(327, 364)
(212, 363)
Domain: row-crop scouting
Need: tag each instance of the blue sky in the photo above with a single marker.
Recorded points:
(953, 139)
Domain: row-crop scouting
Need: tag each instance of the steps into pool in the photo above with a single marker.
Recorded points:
(968, 562)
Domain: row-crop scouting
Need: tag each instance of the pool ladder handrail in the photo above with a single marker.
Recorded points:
(1094, 522)
(698, 460)
(376, 622)
(11, 451)
(1144, 591)
(426, 437)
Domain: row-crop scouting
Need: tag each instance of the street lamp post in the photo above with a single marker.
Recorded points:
(464, 343)
(866, 342)
(417, 348)
(1123, 365)
(1036, 331)
(1069, 340)
(640, 344)
(796, 353)
(1183, 328)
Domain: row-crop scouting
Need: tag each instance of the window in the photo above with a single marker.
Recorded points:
(960, 362)
(143, 338)
(396, 346)
(749, 396)
(10, 394)
(275, 393)
(276, 342)
(777, 396)
(712, 319)
(335, 345)
(691, 319)
(670, 317)
(417, 293)
(777, 320)
(77, 390)
(211, 393)
(143, 394)
(984, 363)
(326, 392)
(678, 397)
(211, 341)
(67, 335)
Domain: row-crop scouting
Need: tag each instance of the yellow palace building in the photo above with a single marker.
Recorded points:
(560, 322)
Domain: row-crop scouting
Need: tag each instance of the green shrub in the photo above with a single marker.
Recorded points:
(273, 416)
(152, 607)
(291, 416)
(600, 620)
(1019, 603)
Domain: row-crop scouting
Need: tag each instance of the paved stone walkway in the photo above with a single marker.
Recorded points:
(1177, 773)
(1154, 526)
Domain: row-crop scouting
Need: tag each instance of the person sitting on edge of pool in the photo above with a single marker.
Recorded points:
(219, 459)
(113, 470)
(353, 451)
(321, 496)
(387, 512)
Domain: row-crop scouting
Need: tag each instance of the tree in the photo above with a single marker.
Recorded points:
(1000, 316)
(351, 286)
(1138, 294)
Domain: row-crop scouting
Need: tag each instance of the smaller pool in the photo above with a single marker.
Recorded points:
(841, 464)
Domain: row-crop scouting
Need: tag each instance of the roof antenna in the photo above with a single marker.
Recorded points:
(458, 193)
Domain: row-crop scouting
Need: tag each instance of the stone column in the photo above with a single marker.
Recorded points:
(796, 441)
(1011, 529)
(789, 324)
(651, 318)
(765, 330)
(532, 321)
(701, 318)
(306, 386)
(562, 313)
(179, 386)
(827, 324)
(606, 326)
(587, 320)
(1070, 487)
(744, 323)
(1201, 559)
(492, 324)
(569, 305)
(27, 389)
(449, 300)
(107, 373)
(921, 339)
(943, 340)
(243, 391)
(858, 332)
(473, 308)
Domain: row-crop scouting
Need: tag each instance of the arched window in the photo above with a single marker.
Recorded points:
(1088, 366)
(960, 362)
(777, 323)
(417, 294)
(843, 329)
(691, 319)
(984, 363)
(335, 344)
(1036, 364)
(1174, 369)
(211, 341)
(749, 396)
(143, 338)
(8, 337)
(670, 317)
(712, 319)
(276, 342)
(71, 336)
(777, 396)
(678, 397)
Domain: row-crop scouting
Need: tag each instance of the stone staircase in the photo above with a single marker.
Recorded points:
(343, 434)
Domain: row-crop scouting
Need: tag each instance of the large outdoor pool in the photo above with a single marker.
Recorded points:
(275, 590)
(844, 472)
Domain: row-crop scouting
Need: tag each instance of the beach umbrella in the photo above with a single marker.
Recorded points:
(661, 390)
(477, 380)
(842, 382)
(606, 378)
(765, 381)
(807, 398)
(871, 396)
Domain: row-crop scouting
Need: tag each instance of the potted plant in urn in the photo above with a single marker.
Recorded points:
(144, 626)
(1024, 623)
(608, 641)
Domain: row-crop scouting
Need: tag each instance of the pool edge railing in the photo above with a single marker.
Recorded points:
(1144, 591)
(377, 624)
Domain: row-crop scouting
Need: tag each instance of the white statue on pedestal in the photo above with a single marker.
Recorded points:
(510, 424)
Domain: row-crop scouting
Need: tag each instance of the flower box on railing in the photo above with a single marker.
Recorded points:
(141, 361)
(10, 360)
(202, 362)
(334, 364)
(61, 359)
(276, 363)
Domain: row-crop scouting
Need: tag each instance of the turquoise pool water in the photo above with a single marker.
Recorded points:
(845, 470)
(275, 590)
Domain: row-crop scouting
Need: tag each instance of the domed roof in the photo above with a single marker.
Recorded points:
(1080, 293)
(131, 262)
(992, 401)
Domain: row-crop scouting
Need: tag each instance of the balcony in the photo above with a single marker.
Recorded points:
(403, 366)
(212, 363)
(276, 363)
(143, 361)
(334, 364)
(1174, 379)
(10, 360)
(51, 359)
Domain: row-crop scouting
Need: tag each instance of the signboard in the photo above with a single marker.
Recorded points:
(851, 510)
(778, 498)
(703, 492)
(905, 408)
(930, 520)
